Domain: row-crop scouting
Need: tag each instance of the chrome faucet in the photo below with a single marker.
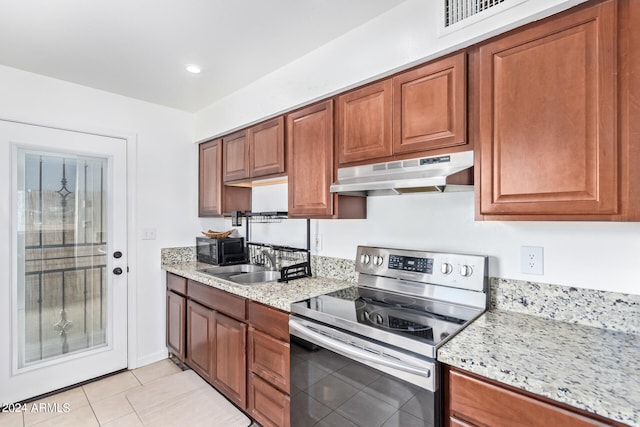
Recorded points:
(271, 257)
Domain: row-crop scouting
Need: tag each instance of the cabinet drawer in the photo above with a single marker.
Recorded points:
(176, 284)
(269, 406)
(270, 320)
(217, 299)
(482, 403)
(269, 358)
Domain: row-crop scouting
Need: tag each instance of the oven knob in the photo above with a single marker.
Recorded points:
(365, 258)
(466, 270)
(377, 260)
(378, 319)
(446, 268)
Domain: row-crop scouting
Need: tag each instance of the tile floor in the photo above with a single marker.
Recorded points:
(160, 394)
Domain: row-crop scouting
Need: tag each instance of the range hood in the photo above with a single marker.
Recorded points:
(451, 172)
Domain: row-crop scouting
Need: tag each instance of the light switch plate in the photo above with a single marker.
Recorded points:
(148, 234)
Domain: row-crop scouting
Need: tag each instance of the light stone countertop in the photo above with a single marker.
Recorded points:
(597, 370)
(274, 294)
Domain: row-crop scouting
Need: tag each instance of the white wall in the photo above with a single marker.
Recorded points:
(166, 173)
(594, 255)
(404, 36)
(590, 255)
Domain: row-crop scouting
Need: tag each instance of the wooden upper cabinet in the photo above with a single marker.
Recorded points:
(310, 160)
(210, 178)
(547, 119)
(236, 156)
(310, 167)
(365, 123)
(254, 152)
(214, 198)
(266, 148)
(429, 110)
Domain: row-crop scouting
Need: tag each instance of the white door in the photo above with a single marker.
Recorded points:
(63, 258)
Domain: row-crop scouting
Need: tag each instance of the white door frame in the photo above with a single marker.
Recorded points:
(131, 140)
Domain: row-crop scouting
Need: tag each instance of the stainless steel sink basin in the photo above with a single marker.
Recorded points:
(233, 269)
(243, 274)
(256, 277)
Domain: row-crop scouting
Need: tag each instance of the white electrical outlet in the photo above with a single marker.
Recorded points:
(532, 260)
(318, 243)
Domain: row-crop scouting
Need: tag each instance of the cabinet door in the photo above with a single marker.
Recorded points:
(268, 405)
(547, 118)
(236, 156)
(176, 324)
(231, 359)
(210, 179)
(365, 123)
(201, 339)
(269, 358)
(430, 109)
(310, 160)
(481, 403)
(266, 148)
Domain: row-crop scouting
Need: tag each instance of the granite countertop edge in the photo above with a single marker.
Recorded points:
(589, 368)
(274, 294)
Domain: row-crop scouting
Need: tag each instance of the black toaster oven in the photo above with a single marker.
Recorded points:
(225, 251)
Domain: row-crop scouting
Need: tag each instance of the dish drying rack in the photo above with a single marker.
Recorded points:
(293, 263)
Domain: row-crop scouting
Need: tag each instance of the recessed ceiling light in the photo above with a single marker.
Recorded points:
(193, 68)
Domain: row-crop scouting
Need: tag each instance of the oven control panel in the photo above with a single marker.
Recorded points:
(439, 268)
(408, 263)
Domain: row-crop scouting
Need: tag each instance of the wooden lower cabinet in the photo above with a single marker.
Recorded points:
(268, 405)
(472, 400)
(269, 358)
(200, 339)
(176, 318)
(239, 346)
(230, 373)
(269, 364)
(217, 342)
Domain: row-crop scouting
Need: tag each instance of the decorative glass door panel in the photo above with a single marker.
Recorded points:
(61, 242)
(63, 258)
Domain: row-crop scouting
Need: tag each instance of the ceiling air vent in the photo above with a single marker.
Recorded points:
(458, 10)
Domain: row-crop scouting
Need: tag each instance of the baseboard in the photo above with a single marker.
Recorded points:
(151, 358)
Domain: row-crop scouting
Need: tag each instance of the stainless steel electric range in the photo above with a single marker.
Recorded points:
(366, 355)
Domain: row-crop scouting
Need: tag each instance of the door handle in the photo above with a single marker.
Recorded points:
(117, 271)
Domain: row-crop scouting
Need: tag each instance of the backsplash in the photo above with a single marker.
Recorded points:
(177, 255)
(334, 268)
(601, 309)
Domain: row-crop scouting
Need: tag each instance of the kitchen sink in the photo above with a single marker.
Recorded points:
(233, 269)
(243, 274)
(256, 277)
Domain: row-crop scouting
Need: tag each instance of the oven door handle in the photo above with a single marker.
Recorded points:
(350, 351)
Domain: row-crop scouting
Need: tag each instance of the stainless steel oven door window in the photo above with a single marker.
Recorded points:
(349, 381)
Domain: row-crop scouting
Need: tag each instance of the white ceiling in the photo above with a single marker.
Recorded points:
(138, 48)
